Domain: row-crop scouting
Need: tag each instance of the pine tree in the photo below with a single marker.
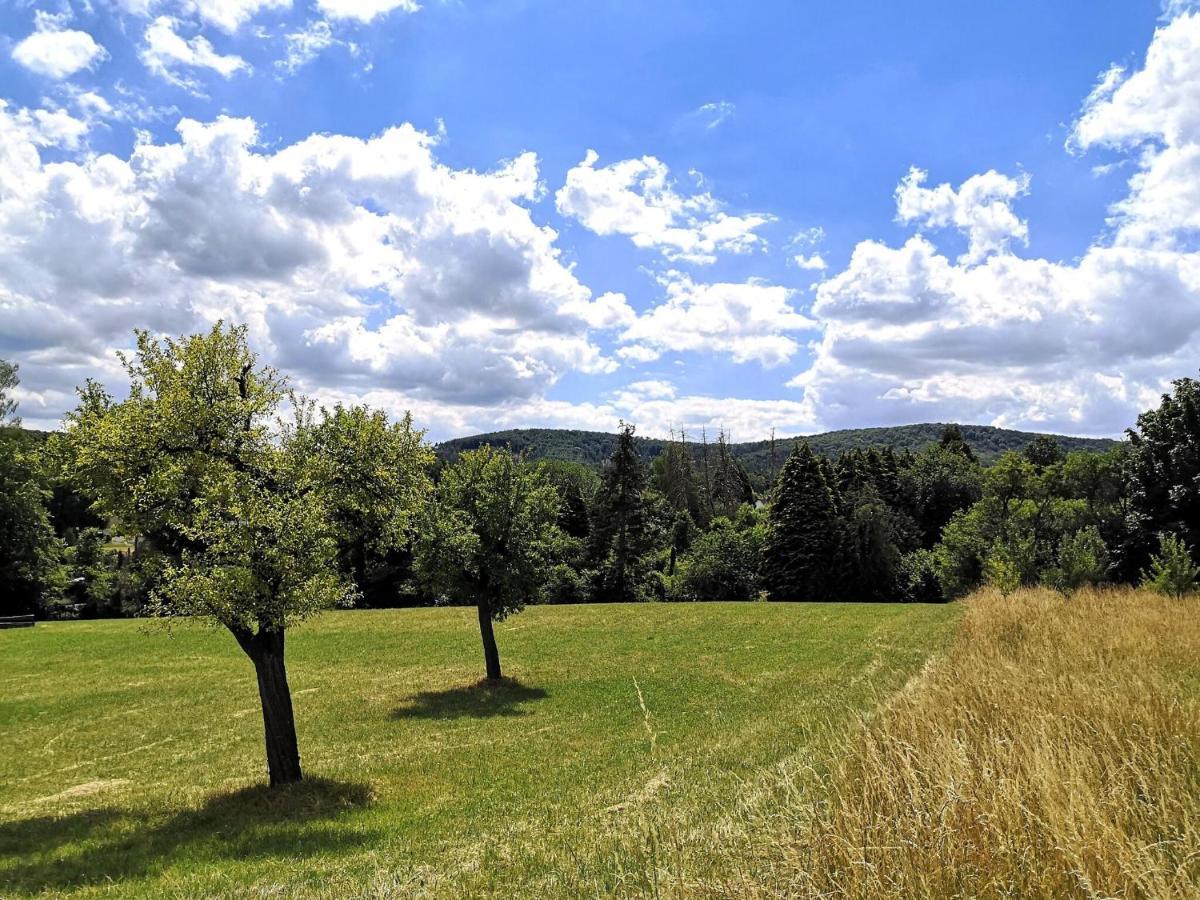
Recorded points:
(621, 535)
(803, 530)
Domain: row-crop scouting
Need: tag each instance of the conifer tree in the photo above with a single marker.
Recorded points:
(803, 528)
(621, 534)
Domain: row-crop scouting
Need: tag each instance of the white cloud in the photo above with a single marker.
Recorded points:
(910, 334)
(1155, 110)
(305, 45)
(364, 10)
(980, 208)
(360, 265)
(713, 114)
(749, 321)
(42, 128)
(636, 197)
(57, 52)
(165, 51)
(814, 262)
(228, 15)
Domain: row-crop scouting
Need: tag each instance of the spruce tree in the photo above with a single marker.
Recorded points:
(803, 529)
(621, 535)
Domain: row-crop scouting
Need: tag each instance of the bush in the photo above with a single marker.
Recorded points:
(1172, 571)
(564, 584)
(722, 565)
(917, 580)
(1082, 561)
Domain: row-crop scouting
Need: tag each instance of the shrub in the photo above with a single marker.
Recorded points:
(1172, 571)
(1082, 561)
(917, 580)
(722, 565)
(565, 584)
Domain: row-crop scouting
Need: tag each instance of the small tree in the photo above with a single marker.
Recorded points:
(1082, 561)
(1172, 571)
(189, 461)
(489, 537)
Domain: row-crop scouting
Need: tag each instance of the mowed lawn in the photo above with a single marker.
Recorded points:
(131, 757)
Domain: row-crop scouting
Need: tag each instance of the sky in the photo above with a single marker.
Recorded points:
(746, 216)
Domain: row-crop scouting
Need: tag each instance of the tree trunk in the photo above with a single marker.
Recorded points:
(491, 654)
(265, 650)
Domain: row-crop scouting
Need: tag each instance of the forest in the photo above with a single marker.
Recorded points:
(389, 520)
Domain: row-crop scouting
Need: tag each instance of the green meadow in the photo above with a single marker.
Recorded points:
(131, 759)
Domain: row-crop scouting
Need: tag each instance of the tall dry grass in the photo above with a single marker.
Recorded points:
(1053, 751)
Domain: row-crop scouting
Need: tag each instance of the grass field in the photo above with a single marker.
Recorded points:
(1052, 751)
(131, 758)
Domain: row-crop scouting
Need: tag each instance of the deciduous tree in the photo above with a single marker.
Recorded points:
(489, 537)
(190, 460)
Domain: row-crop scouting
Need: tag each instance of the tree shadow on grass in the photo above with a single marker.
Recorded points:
(481, 700)
(91, 846)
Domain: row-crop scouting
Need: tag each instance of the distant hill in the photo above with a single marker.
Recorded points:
(593, 447)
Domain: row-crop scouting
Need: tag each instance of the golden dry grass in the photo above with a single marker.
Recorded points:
(1053, 751)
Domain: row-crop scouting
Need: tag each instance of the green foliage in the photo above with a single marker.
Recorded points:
(189, 460)
(803, 536)
(577, 485)
(952, 440)
(722, 564)
(672, 473)
(1172, 571)
(1006, 566)
(937, 484)
(565, 584)
(917, 578)
(1035, 524)
(623, 531)
(1164, 467)
(374, 478)
(490, 534)
(1082, 561)
(9, 379)
(32, 575)
(1043, 451)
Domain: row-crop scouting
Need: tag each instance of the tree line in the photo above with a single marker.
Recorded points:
(213, 490)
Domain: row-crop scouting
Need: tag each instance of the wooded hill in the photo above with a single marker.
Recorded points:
(593, 447)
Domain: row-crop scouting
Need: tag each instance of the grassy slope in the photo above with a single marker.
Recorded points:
(1052, 751)
(128, 754)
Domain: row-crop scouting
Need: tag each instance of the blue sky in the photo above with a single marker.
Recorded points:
(404, 205)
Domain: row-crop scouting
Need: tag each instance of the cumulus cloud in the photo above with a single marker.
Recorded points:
(636, 197)
(165, 51)
(1155, 110)
(981, 209)
(813, 262)
(55, 51)
(228, 15)
(749, 321)
(364, 10)
(359, 264)
(1082, 346)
